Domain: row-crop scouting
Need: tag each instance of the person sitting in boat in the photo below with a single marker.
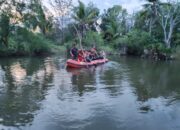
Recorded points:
(88, 56)
(101, 55)
(81, 56)
(94, 53)
(74, 52)
(94, 50)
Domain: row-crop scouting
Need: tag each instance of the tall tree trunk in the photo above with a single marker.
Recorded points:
(79, 36)
(168, 31)
(150, 26)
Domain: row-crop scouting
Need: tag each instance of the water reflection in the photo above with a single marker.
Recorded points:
(126, 93)
(18, 73)
(23, 87)
(83, 79)
(153, 80)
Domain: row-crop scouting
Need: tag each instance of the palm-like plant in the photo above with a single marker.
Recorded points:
(114, 22)
(154, 7)
(85, 16)
(149, 14)
(113, 30)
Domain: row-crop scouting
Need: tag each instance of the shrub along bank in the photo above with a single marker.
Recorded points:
(23, 42)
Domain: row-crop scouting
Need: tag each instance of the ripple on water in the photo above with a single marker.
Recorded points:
(122, 94)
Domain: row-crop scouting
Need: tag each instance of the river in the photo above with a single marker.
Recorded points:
(123, 94)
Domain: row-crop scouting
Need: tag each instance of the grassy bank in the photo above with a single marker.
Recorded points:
(26, 43)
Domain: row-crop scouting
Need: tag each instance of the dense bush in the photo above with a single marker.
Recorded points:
(93, 38)
(107, 49)
(4, 28)
(177, 52)
(24, 42)
(135, 41)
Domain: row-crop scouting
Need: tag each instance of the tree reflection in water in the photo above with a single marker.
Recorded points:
(153, 80)
(82, 77)
(24, 84)
(126, 93)
(90, 79)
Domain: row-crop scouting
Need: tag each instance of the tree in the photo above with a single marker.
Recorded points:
(169, 17)
(114, 22)
(154, 5)
(149, 16)
(146, 18)
(11, 15)
(4, 28)
(61, 9)
(36, 17)
(5, 18)
(85, 16)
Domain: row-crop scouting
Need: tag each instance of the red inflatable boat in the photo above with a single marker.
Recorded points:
(80, 64)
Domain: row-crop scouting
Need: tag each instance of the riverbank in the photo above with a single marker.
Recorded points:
(27, 43)
(172, 54)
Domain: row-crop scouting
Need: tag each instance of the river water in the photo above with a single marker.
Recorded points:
(124, 94)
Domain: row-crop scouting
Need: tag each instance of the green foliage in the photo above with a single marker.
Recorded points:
(69, 44)
(4, 28)
(138, 37)
(93, 38)
(176, 39)
(107, 49)
(68, 33)
(114, 23)
(24, 42)
(137, 32)
(36, 17)
(37, 43)
(135, 41)
(177, 52)
(85, 17)
(80, 11)
(159, 48)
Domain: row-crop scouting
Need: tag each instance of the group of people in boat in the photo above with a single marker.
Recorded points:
(86, 55)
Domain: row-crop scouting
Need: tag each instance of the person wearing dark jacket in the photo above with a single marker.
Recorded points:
(74, 52)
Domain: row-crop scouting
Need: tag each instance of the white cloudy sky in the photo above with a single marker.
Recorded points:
(130, 5)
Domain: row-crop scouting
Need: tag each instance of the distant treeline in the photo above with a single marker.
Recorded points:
(154, 31)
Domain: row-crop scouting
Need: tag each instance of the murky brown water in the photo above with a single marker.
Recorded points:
(124, 94)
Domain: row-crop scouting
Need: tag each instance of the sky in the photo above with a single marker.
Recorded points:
(130, 5)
